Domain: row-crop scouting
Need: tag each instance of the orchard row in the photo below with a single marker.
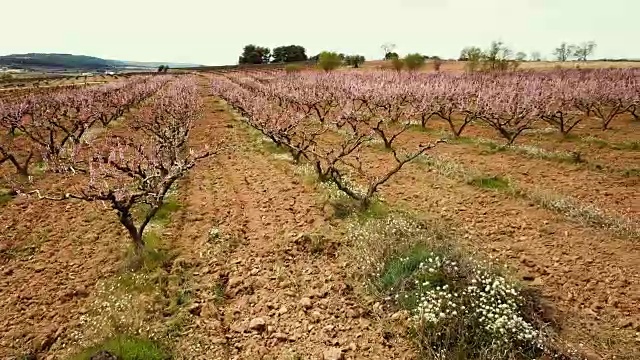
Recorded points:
(42, 125)
(131, 165)
(329, 119)
(508, 102)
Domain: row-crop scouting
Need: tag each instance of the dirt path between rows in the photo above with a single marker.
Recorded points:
(284, 297)
(609, 191)
(52, 254)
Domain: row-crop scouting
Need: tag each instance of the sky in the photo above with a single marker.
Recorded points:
(213, 32)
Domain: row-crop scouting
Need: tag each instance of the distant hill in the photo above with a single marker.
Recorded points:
(77, 62)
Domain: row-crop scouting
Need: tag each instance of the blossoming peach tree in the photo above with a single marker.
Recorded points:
(135, 171)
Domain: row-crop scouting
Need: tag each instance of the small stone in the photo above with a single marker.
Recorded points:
(536, 282)
(234, 281)
(236, 327)
(305, 302)
(49, 338)
(280, 336)
(103, 355)
(209, 311)
(332, 354)
(353, 346)
(626, 323)
(526, 261)
(316, 316)
(214, 234)
(589, 355)
(195, 309)
(398, 315)
(283, 310)
(257, 324)
(81, 291)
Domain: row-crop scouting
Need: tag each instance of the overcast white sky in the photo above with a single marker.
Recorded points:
(214, 32)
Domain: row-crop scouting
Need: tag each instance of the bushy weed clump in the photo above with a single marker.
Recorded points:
(126, 348)
(5, 197)
(460, 307)
(489, 182)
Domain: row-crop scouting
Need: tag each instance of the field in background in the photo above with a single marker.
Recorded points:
(459, 66)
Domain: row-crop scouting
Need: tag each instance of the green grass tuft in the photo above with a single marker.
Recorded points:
(5, 198)
(628, 145)
(597, 142)
(345, 207)
(632, 145)
(219, 295)
(419, 128)
(495, 147)
(400, 268)
(631, 172)
(490, 182)
(127, 348)
(163, 215)
(170, 206)
(463, 140)
(153, 257)
(376, 210)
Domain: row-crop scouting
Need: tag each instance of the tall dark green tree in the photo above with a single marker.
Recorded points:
(354, 60)
(290, 53)
(391, 56)
(253, 54)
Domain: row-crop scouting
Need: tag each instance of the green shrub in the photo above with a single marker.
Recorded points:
(414, 61)
(328, 61)
(458, 307)
(6, 195)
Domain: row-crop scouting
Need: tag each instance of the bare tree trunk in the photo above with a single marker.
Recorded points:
(633, 109)
(136, 236)
(22, 170)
